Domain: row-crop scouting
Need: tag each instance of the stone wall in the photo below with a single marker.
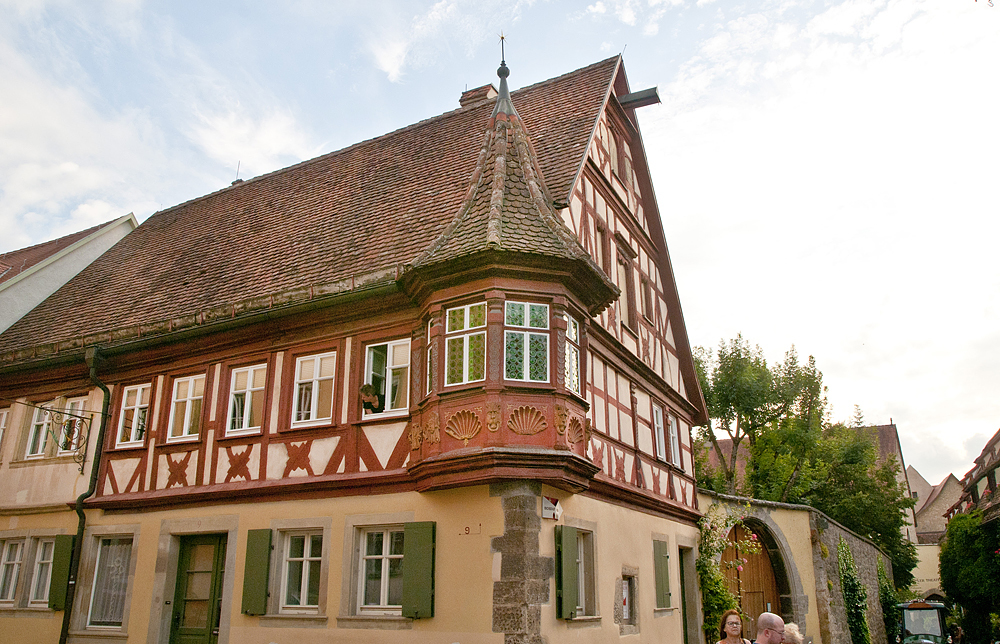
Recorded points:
(802, 544)
(826, 535)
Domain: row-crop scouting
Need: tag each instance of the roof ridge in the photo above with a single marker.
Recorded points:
(352, 146)
(82, 234)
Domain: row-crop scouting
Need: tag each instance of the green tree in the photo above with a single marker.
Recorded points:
(970, 572)
(795, 455)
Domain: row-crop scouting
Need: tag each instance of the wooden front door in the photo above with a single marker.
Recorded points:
(755, 585)
(198, 596)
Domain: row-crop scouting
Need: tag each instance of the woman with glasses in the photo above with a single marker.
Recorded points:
(731, 628)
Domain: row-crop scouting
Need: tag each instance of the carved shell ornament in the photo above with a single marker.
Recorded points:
(575, 432)
(493, 417)
(463, 425)
(527, 421)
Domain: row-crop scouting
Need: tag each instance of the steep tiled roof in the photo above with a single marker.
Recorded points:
(15, 262)
(322, 226)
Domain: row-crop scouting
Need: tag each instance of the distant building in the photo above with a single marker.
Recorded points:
(886, 439)
(933, 502)
(29, 275)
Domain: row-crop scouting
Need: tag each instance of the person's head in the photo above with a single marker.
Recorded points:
(731, 625)
(770, 629)
(792, 634)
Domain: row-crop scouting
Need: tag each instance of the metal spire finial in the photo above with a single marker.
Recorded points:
(502, 39)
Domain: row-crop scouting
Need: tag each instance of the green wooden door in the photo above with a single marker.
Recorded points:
(198, 597)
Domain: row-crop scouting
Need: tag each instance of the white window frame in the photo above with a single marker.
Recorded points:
(675, 445)
(100, 541)
(586, 586)
(465, 332)
(659, 435)
(38, 432)
(11, 559)
(313, 419)
(529, 331)
(573, 356)
(308, 560)
(140, 418)
(42, 578)
(76, 406)
(187, 424)
(387, 376)
(383, 608)
(4, 419)
(248, 393)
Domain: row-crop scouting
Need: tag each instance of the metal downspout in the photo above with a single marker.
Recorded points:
(74, 563)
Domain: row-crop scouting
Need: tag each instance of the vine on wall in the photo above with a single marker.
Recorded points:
(714, 539)
(888, 599)
(855, 595)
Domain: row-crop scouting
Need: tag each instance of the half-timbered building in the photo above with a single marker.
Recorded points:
(438, 382)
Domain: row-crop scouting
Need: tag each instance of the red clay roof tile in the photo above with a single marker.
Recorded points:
(369, 208)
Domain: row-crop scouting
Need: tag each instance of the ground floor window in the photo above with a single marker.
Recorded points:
(107, 602)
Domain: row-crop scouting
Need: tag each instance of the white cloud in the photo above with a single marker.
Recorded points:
(257, 144)
(826, 186)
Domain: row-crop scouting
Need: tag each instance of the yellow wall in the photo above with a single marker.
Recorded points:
(41, 624)
(927, 575)
(622, 537)
(464, 566)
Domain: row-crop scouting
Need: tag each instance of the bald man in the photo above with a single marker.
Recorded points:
(770, 629)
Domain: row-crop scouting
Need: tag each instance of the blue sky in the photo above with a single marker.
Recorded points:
(826, 170)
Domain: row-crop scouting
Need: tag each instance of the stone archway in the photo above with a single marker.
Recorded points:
(764, 583)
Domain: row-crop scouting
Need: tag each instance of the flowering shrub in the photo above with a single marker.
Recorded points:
(716, 598)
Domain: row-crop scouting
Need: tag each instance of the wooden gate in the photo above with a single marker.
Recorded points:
(755, 585)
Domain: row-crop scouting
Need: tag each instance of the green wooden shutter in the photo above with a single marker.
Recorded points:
(255, 574)
(418, 569)
(61, 555)
(661, 570)
(567, 583)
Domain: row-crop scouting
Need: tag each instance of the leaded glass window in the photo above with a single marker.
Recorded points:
(572, 355)
(526, 345)
(465, 348)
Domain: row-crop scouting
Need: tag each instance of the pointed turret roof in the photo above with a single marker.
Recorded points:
(507, 206)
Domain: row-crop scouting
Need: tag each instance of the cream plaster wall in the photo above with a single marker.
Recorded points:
(467, 518)
(927, 574)
(33, 624)
(614, 548)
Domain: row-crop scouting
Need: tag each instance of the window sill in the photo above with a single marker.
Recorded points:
(669, 610)
(127, 446)
(183, 440)
(585, 620)
(8, 610)
(381, 622)
(237, 435)
(293, 621)
(99, 634)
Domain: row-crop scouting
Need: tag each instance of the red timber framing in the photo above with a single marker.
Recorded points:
(384, 346)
